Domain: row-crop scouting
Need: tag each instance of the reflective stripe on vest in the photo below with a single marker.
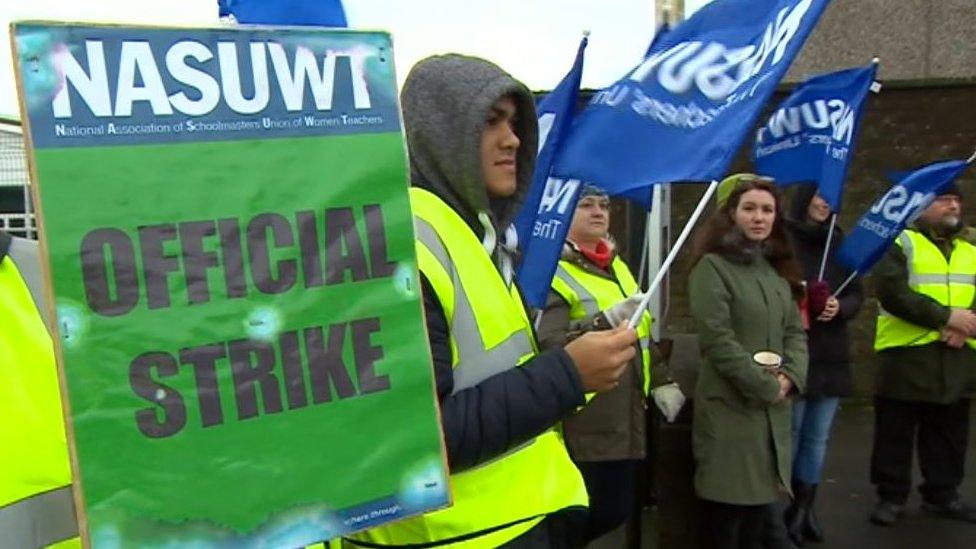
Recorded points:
(39, 520)
(473, 358)
(496, 501)
(951, 284)
(36, 508)
(587, 294)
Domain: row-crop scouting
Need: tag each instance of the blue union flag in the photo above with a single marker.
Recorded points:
(322, 13)
(893, 211)
(550, 203)
(810, 137)
(682, 113)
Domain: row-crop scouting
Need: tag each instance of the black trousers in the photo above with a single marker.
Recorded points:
(943, 431)
(775, 535)
(736, 526)
(560, 530)
(612, 486)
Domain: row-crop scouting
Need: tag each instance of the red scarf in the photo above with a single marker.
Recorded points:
(600, 255)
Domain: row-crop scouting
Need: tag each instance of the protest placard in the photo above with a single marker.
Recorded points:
(228, 242)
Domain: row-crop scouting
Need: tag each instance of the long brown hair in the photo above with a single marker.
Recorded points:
(778, 247)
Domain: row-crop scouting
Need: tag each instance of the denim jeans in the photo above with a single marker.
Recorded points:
(812, 419)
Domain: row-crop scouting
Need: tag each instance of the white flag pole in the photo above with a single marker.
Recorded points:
(666, 264)
(645, 248)
(844, 285)
(830, 236)
(538, 319)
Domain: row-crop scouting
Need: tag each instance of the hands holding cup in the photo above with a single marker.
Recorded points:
(772, 362)
(768, 360)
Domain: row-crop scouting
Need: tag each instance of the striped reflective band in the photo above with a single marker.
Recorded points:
(914, 279)
(475, 363)
(40, 520)
(907, 246)
(941, 278)
(587, 300)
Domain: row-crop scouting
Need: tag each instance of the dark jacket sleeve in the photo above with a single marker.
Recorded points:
(711, 302)
(795, 348)
(483, 422)
(554, 325)
(851, 299)
(894, 294)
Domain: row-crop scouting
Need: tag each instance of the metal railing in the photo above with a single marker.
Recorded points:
(16, 217)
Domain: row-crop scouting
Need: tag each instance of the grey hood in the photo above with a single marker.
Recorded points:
(446, 100)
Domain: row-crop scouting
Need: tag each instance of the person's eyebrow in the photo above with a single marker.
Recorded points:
(501, 111)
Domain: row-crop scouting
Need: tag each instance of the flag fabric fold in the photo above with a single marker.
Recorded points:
(322, 13)
(659, 35)
(550, 203)
(682, 113)
(811, 136)
(878, 228)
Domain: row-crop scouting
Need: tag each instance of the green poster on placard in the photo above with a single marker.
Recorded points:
(229, 244)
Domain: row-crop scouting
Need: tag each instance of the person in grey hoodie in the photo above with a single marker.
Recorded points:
(471, 134)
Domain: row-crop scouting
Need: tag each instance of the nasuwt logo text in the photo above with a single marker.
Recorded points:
(707, 65)
(812, 116)
(198, 91)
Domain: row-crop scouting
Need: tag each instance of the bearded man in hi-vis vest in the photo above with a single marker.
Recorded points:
(926, 363)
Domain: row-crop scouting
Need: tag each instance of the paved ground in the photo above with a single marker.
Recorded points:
(846, 498)
(847, 495)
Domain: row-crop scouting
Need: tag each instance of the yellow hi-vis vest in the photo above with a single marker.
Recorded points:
(36, 506)
(489, 333)
(952, 284)
(587, 294)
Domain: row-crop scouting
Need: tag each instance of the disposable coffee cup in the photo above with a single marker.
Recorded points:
(767, 360)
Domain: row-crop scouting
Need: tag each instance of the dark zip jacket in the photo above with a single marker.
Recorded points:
(829, 368)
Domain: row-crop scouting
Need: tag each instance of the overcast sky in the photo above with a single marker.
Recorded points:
(535, 40)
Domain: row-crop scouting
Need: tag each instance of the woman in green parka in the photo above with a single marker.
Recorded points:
(743, 288)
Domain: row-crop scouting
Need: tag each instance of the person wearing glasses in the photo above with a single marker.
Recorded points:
(926, 374)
